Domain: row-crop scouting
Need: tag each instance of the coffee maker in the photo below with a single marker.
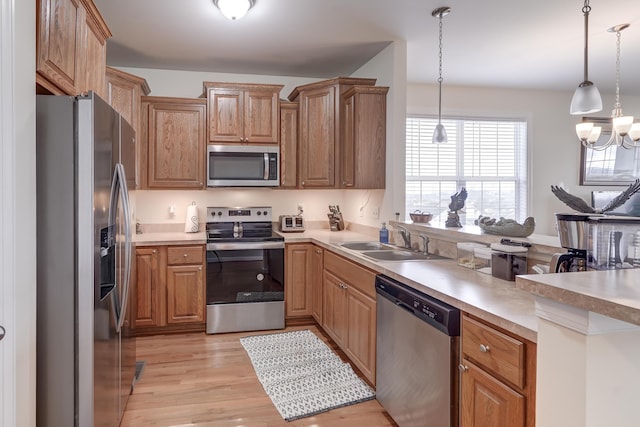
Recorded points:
(573, 231)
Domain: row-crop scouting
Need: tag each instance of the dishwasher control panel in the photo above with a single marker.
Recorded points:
(439, 314)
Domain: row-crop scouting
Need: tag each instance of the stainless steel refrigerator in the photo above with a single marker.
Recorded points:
(85, 351)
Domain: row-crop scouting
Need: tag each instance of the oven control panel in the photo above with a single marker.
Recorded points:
(255, 214)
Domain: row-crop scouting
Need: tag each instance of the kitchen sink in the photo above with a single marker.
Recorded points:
(365, 246)
(400, 255)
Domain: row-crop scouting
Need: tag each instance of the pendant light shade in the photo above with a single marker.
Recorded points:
(234, 9)
(439, 133)
(586, 99)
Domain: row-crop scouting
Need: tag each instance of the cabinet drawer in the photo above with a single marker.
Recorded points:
(356, 276)
(180, 255)
(493, 350)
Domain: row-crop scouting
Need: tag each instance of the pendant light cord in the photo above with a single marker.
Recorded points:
(617, 106)
(440, 73)
(585, 10)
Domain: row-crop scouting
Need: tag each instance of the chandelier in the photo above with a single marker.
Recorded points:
(624, 132)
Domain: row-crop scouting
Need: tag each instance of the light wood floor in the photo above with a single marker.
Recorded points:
(201, 380)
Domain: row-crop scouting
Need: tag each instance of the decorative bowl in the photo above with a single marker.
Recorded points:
(417, 216)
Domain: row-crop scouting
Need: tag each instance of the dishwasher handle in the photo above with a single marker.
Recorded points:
(405, 306)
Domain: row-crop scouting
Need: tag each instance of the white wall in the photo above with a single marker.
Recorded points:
(554, 150)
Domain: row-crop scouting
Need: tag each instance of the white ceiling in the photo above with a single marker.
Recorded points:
(496, 43)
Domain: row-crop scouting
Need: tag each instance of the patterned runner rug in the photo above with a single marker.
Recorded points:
(302, 375)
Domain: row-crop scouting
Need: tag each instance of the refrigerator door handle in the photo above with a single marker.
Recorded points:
(124, 194)
(119, 190)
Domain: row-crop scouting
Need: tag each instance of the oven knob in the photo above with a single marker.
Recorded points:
(264, 213)
(213, 214)
(259, 213)
(219, 213)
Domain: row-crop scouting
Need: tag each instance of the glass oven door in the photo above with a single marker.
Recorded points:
(245, 275)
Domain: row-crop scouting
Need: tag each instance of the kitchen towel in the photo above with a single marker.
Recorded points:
(191, 224)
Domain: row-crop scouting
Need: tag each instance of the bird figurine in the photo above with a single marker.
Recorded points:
(457, 203)
(457, 200)
(506, 227)
(576, 203)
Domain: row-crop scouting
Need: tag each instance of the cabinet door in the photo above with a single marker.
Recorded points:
(225, 115)
(297, 284)
(363, 140)
(95, 60)
(487, 402)
(185, 294)
(176, 143)
(288, 144)
(315, 277)
(334, 310)
(361, 339)
(145, 301)
(59, 40)
(261, 117)
(316, 167)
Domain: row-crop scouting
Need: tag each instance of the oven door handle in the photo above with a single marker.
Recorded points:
(231, 246)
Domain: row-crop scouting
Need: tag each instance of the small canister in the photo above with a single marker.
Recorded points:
(508, 261)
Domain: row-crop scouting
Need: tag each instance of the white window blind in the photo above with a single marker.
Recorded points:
(486, 156)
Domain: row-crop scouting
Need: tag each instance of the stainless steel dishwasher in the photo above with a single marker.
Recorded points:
(417, 379)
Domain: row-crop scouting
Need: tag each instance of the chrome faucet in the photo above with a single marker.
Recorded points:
(406, 236)
(425, 244)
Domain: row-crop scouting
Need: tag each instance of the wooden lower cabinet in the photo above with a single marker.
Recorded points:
(488, 402)
(303, 281)
(169, 290)
(497, 377)
(349, 311)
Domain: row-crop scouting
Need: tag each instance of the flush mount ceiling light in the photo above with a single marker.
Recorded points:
(440, 134)
(586, 99)
(624, 133)
(234, 9)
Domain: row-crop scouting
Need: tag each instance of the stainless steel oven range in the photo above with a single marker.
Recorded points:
(245, 270)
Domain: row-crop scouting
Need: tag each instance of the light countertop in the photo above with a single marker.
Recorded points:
(612, 293)
(495, 300)
(169, 238)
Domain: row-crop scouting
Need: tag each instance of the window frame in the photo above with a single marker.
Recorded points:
(521, 182)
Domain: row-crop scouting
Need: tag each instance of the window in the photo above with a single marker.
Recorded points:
(486, 156)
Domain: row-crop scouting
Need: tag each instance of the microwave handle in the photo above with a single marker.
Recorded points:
(266, 166)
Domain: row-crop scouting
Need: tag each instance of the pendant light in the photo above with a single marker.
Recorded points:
(234, 9)
(440, 134)
(624, 132)
(586, 99)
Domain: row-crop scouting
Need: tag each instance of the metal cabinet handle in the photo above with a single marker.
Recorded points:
(155, 251)
(185, 255)
(318, 251)
(302, 183)
(484, 348)
(2, 332)
(463, 368)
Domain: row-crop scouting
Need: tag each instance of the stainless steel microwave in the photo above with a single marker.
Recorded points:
(243, 166)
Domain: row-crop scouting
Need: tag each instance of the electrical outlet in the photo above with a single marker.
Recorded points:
(376, 213)
(300, 208)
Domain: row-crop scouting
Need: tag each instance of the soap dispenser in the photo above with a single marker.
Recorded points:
(384, 233)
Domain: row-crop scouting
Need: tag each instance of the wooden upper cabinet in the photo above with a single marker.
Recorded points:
(288, 144)
(176, 142)
(70, 47)
(124, 93)
(364, 137)
(320, 135)
(243, 113)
